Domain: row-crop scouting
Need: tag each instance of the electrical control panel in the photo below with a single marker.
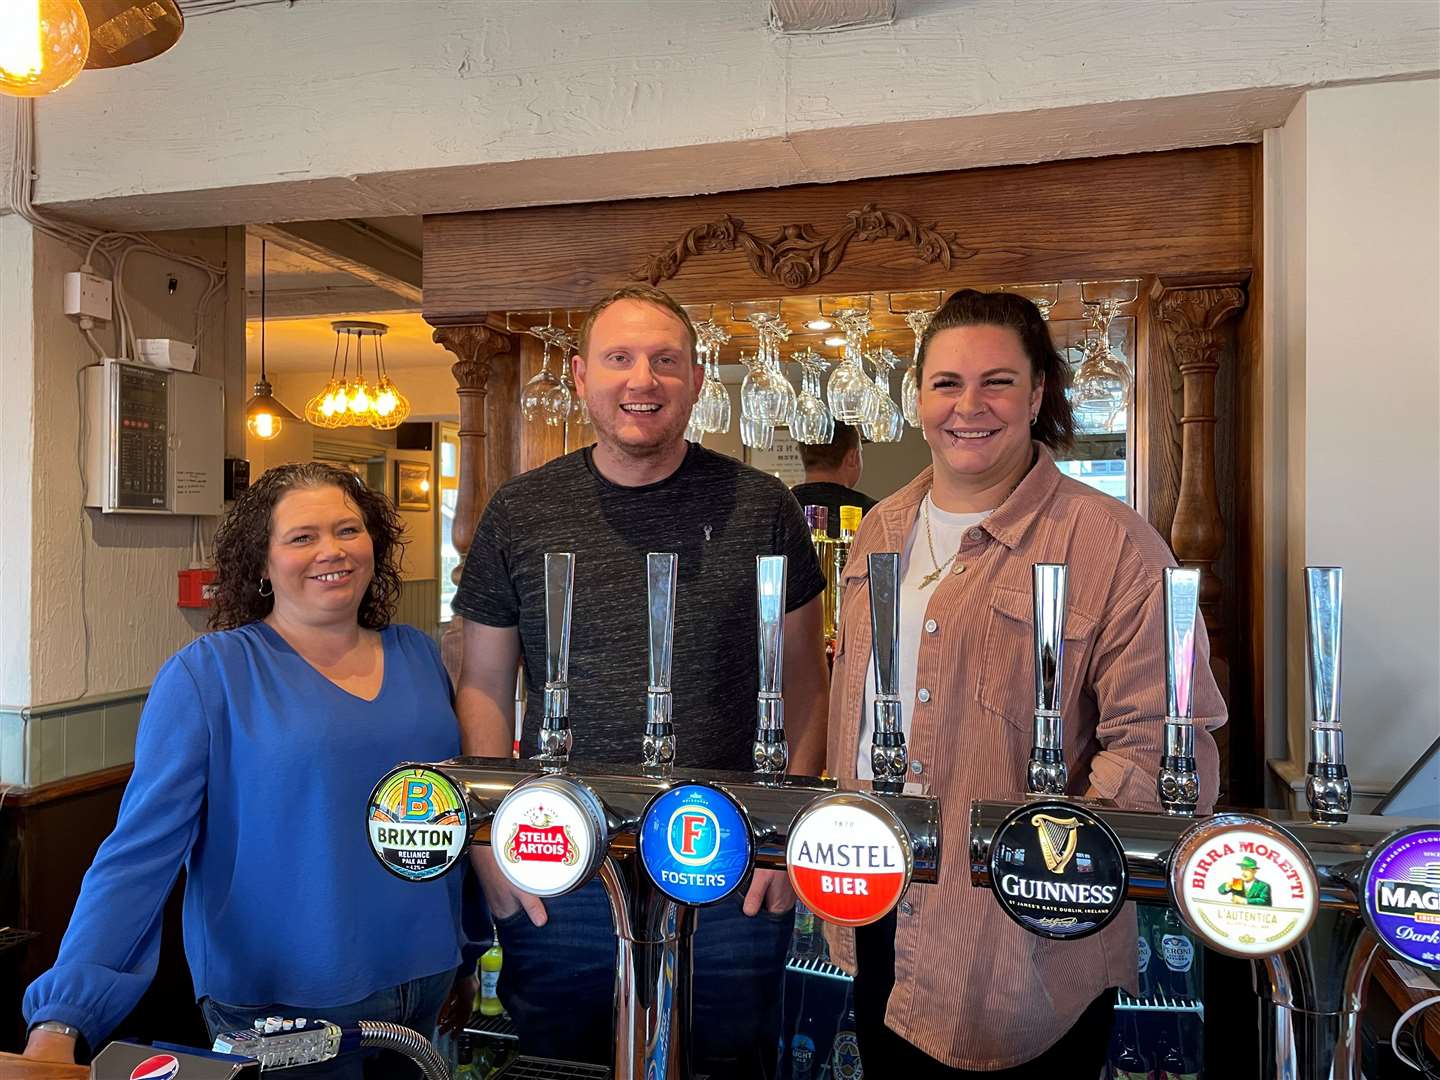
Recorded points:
(154, 440)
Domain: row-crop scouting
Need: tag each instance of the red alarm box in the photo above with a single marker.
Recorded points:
(197, 588)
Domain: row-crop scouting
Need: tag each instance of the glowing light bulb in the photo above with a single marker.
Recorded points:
(360, 399)
(424, 485)
(263, 425)
(386, 401)
(43, 45)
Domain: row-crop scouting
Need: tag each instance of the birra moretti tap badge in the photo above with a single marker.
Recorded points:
(1058, 870)
(545, 836)
(418, 821)
(848, 858)
(695, 843)
(1244, 885)
(1402, 894)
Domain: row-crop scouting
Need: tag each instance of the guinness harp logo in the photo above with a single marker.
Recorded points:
(1058, 837)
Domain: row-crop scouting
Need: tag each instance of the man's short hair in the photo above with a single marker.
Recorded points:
(831, 455)
(637, 292)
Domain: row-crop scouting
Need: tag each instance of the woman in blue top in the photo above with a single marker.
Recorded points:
(256, 754)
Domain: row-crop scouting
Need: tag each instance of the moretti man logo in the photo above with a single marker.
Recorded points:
(418, 823)
(1058, 870)
(848, 859)
(1244, 886)
(159, 1067)
(1402, 894)
(695, 843)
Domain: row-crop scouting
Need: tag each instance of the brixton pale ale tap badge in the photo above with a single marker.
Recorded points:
(419, 822)
(848, 858)
(1058, 870)
(549, 835)
(1244, 885)
(1401, 894)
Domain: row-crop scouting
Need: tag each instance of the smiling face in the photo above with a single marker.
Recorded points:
(978, 394)
(321, 559)
(639, 379)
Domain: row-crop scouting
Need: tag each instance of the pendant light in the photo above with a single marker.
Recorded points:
(44, 44)
(264, 416)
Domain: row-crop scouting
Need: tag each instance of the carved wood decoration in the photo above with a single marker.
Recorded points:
(475, 348)
(798, 258)
(1196, 323)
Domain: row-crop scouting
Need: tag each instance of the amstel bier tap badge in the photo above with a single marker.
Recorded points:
(695, 843)
(1244, 885)
(1402, 894)
(419, 823)
(848, 858)
(548, 835)
(1058, 870)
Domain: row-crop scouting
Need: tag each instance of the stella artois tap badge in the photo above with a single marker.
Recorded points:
(549, 835)
(1058, 870)
(1400, 896)
(848, 858)
(419, 822)
(1244, 885)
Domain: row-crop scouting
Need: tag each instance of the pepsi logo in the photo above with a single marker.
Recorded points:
(159, 1067)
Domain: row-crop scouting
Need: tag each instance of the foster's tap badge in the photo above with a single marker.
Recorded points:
(1244, 885)
(695, 844)
(1058, 870)
(1401, 895)
(849, 858)
(549, 835)
(419, 822)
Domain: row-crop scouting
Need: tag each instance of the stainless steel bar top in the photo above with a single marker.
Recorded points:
(1338, 850)
(625, 791)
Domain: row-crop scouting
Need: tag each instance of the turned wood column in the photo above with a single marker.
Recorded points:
(1195, 321)
(476, 348)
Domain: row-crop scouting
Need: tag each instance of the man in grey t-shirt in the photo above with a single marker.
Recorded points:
(641, 488)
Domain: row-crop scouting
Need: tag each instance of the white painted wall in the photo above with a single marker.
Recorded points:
(350, 108)
(103, 587)
(17, 421)
(1353, 274)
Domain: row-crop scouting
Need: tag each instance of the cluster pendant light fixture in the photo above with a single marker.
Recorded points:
(264, 416)
(351, 400)
(44, 44)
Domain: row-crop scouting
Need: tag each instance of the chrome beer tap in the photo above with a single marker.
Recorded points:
(888, 756)
(1046, 774)
(1327, 783)
(1178, 783)
(770, 751)
(658, 749)
(556, 739)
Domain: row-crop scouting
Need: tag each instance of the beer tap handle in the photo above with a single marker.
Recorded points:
(556, 739)
(770, 751)
(658, 748)
(1178, 783)
(1046, 774)
(1327, 784)
(888, 756)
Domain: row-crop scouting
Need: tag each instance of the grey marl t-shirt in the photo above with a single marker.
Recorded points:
(717, 515)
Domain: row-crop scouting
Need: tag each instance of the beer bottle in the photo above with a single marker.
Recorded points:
(1178, 1062)
(1176, 951)
(802, 944)
(1143, 918)
(1126, 1060)
(802, 1057)
(490, 962)
(845, 1051)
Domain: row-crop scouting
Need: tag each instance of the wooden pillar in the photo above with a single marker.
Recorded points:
(476, 348)
(1195, 318)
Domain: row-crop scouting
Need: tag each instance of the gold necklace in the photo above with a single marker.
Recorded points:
(931, 578)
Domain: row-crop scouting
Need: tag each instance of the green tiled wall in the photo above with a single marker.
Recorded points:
(45, 743)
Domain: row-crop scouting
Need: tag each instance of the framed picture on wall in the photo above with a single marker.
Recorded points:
(412, 485)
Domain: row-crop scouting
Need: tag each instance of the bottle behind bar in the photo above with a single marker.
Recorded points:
(1145, 952)
(839, 554)
(490, 962)
(1173, 960)
(818, 518)
(1175, 1059)
(1127, 1062)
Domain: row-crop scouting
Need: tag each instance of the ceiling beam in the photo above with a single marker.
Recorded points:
(336, 300)
(352, 248)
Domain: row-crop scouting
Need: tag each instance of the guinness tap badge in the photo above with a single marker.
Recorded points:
(1244, 885)
(1401, 894)
(549, 835)
(848, 858)
(419, 822)
(1058, 870)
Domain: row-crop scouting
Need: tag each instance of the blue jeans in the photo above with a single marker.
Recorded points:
(415, 1004)
(558, 983)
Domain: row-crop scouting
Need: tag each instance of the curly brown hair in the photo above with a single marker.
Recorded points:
(1055, 424)
(242, 545)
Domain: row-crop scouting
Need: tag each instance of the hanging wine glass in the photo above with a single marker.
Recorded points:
(813, 423)
(558, 401)
(1101, 385)
(849, 388)
(779, 400)
(887, 423)
(712, 407)
(534, 395)
(918, 321)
